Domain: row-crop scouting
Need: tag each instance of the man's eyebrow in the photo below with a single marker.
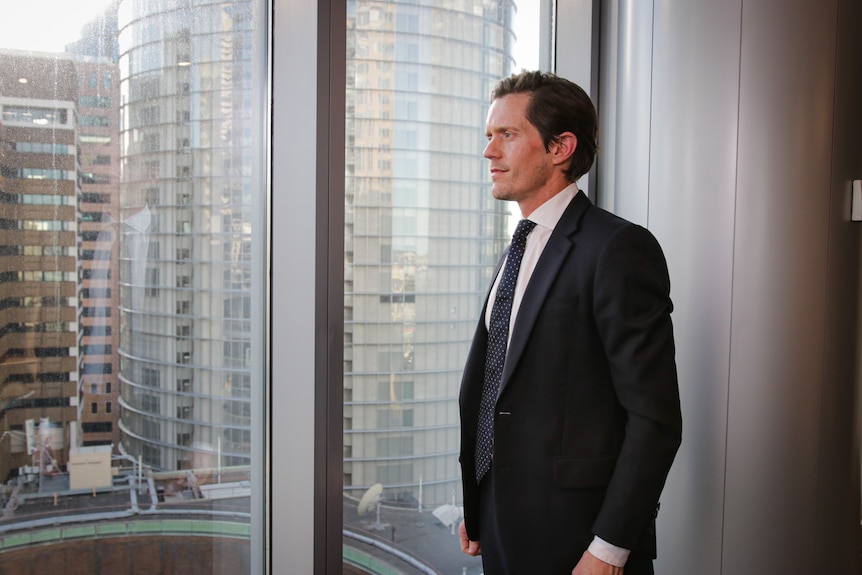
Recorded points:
(501, 128)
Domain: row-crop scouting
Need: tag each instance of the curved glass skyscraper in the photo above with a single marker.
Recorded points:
(185, 270)
(422, 234)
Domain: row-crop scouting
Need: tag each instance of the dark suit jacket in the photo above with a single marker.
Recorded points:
(587, 422)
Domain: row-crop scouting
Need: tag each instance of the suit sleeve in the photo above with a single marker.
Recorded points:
(632, 310)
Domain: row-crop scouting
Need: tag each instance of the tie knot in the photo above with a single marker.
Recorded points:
(523, 230)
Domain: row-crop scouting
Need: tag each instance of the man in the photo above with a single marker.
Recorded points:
(563, 467)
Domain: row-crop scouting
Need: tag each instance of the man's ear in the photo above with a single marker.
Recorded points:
(563, 148)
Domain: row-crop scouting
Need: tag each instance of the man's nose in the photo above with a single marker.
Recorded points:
(490, 149)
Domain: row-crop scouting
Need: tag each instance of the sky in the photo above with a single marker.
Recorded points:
(526, 25)
(45, 25)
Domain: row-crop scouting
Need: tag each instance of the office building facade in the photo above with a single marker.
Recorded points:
(422, 234)
(98, 234)
(38, 242)
(185, 269)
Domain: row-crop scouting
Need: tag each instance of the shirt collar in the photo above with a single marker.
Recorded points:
(548, 214)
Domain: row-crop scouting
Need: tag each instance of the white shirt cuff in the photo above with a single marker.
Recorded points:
(616, 556)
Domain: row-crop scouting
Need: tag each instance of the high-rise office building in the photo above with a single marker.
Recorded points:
(98, 117)
(38, 274)
(422, 234)
(185, 268)
(98, 103)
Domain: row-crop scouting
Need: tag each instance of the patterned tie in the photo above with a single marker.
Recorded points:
(498, 335)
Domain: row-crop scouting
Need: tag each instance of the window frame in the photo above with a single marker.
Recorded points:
(304, 343)
(305, 372)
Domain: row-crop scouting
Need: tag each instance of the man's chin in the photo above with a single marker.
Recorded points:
(501, 194)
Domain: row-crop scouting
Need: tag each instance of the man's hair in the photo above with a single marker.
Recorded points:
(556, 106)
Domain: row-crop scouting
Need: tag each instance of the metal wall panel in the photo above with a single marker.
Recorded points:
(837, 542)
(779, 285)
(293, 533)
(752, 142)
(692, 197)
(632, 87)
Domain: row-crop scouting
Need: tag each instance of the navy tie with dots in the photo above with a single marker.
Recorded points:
(498, 335)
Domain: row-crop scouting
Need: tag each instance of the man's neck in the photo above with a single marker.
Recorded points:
(528, 206)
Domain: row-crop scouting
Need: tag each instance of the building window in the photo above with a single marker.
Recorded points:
(152, 282)
(94, 101)
(97, 368)
(35, 115)
(97, 349)
(91, 120)
(150, 377)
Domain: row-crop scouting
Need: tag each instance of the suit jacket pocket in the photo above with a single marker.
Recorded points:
(584, 472)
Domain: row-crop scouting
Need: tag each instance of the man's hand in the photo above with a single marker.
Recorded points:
(592, 565)
(467, 546)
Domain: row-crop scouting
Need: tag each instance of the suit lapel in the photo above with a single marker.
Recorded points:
(547, 268)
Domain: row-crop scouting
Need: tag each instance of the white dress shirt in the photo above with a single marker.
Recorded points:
(546, 217)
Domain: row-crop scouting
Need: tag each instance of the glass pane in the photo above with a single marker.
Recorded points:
(129, 143)
(422, 236)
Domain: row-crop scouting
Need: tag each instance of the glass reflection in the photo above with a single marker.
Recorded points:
(125, 370)
(422, 236)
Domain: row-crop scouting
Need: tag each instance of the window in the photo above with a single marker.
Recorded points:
(177, 96)
(97, 427)
(92, 198)
(417, 97)
(34, 115)
(152, 282)
(96, 312)
(97, 293)
(103, 349)
(96, 274)
(97, 368)
(150, 377)
(91, 178)
(94, 139)
(95, 217)
(152, 196)
(91, 120)
(94, 101)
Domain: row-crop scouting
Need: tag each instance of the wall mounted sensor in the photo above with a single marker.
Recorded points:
(856, 201)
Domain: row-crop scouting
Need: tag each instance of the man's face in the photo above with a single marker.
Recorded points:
(520, 166)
